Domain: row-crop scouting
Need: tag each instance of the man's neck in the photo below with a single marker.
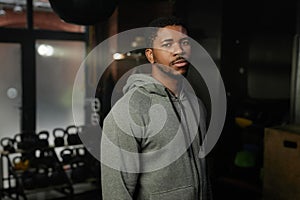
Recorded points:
(173, 84)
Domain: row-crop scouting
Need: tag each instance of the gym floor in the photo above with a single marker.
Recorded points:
(229, 188)
(81, 192)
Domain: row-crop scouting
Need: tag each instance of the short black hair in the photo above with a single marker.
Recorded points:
(161, 22)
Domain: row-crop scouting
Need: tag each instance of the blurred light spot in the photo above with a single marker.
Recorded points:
(45, 50)
(118, 56)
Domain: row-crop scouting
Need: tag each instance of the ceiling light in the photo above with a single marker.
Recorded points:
(18, 9)
(2, 12)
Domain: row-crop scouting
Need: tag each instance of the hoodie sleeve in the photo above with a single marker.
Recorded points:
(117, 184)
(121, 146)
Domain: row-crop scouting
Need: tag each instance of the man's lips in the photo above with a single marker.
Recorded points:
(180, 63)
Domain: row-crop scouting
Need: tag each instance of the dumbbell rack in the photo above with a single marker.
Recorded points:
(17, 189)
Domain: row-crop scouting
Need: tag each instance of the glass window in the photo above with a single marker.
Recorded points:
(10, 89)
(57, 64)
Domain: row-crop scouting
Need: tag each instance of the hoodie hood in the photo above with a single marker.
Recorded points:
(145, 81)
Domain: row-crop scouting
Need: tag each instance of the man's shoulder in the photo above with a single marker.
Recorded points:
(138, 97)
(134, 105)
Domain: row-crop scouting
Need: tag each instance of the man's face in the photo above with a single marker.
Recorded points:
(171, 50)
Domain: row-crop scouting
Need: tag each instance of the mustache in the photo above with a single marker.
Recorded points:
(179, 59)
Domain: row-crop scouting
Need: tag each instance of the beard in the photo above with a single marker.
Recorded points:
(170, 71)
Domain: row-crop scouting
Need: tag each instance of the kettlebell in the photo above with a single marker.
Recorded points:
(80, 153)
(43, 139)
(8, 144)
(59, 137)
(18, 141)
(37, 159)
(72, 135)
(20, 163)
(41, 177)
(48, 157)
(67, 155)
(79, 172)
(28, 179)
(56, 177)
(26, 141)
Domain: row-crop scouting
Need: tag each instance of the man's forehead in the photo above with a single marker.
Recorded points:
(172, 31)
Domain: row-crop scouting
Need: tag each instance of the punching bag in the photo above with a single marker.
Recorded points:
(84, 12)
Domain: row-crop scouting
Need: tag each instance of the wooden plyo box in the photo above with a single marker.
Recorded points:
(281, 168)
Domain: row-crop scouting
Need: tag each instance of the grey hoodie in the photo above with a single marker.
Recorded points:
(150, 144)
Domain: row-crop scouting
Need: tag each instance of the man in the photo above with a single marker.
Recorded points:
(152, 135)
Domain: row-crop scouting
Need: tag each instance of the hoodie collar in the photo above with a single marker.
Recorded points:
(145, 81)
(151, 85)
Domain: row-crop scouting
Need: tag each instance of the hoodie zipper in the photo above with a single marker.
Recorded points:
(190, 150)
(186, 137)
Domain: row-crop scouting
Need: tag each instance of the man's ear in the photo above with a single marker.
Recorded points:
(149, 55)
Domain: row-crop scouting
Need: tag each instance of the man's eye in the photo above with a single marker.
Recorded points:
(185, 42)
(166, 45)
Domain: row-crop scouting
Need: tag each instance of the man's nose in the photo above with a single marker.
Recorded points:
(178, 50)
